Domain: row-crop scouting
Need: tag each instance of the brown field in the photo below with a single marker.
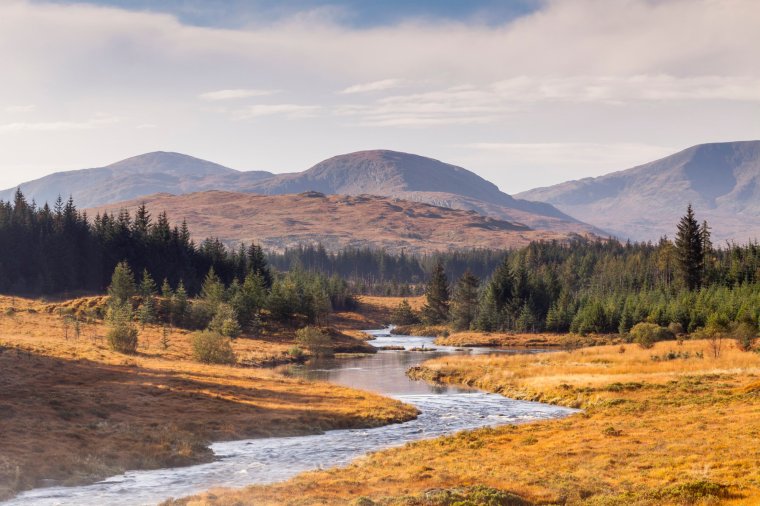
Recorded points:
(282, 221)
(678, 430)
(517, 340)
(72, 411)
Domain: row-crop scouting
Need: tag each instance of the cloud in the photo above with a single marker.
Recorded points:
(287, 110)
(58, 126)
(382, 85)
(20, 108)
(235, 94)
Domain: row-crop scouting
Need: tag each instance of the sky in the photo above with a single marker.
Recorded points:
(525, 93)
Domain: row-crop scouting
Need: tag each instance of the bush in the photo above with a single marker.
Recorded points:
(123, 338)
(646, 334)
(404, 314)
(212, 348)
(675, 328)
(315, 340)
(745, 334)
(225, 322)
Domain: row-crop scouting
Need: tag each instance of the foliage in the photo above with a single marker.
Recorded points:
(689, 248)
(122, 333)
(464, 303)
(647, 334)
(404, 314)
(225, 322)
(122, 286)
(211, 347)
(436, 309)
(316, 340)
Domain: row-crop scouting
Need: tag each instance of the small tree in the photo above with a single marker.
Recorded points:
(122, 287)
(225, 322)
(745, 334)
(179, 305)
(212, 291)
(212, 348)
(436, 309)
(165, 333)
(122, 334)
(404, 314)
(317, 341)
(464, 303)
(647, 334)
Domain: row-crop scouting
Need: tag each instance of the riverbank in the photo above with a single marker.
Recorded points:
(73, 412)
(669, 425)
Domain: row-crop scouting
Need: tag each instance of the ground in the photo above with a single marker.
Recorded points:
(668, 425)
(72, 411)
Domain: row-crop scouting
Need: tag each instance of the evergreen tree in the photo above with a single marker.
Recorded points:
(257, 264)
(404, 314)
(147, 285)
(436, 309)
(179, 305)
(464, 302)
(212, 291)
(689, 250)
(122, 286)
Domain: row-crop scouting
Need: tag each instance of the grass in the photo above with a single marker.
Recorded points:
(72, 411)
(517, 340)
(678, 431)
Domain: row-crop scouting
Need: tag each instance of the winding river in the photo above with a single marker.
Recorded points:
(444, 410)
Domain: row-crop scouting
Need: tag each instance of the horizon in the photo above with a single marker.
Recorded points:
(511, 91)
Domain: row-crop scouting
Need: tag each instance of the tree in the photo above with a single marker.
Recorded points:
(257, 264)
(436, 309)
(316, 340)
(122, 334)
(249, 299)
(122, 286)
(404, 314)
(225, 322)
(179, 304)
(689, 250)
(212, 291)
(147, 285)
(464, 303)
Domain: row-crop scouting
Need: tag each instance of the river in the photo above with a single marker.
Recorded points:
(443, 410)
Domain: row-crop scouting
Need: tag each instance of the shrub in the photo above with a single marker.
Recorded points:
(646, 334)
(745, 334)
(225, 321)
(212, 348)
(404, 314)
(122, 335)
(315, 340)
(675, 328)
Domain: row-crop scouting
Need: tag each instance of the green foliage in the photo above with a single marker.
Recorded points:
(212, 348)
(122, 333)
(122, 286)
(225, 322)
(689, 248)
(212, 291)
(316, 340)
(436, 309)
(745, 334)
(464, 302)
(404, 314)
(647, 334)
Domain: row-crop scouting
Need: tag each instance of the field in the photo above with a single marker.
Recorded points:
(72, 411)
(668, 425)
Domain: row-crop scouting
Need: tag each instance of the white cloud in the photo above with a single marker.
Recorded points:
(382, 85)
(58, 126)
(20, 108)
(288, 110)
(235, 94)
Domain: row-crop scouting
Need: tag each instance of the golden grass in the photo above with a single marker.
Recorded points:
(518, 340)
(681, 431)
(73, 411)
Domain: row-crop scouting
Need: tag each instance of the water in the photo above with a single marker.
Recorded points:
(444, 410)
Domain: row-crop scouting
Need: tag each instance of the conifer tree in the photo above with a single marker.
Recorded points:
(436, 309)
(689, 250)
(212, 291)
(122, 286)
(464, 302)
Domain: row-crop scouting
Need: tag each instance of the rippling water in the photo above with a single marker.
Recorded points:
(444, 410)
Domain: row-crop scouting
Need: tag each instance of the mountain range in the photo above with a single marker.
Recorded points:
(721, 181)
(378, 172)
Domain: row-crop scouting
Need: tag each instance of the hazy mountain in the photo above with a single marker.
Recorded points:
(416, 178)
(281, 221)
(140, 175)
(721, 180)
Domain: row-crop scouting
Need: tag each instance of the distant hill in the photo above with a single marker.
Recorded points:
(378, 172)
(418, 178)
(335, 221)
(140, 175)
(721, 180)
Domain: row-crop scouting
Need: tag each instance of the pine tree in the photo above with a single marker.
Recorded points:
(147, 285)
(179, 305)
(436, 309)
(212, 291)
(404, 314)
(464, 302)
(122, 286)
(689, 250)
(707, 249)
(257, 264)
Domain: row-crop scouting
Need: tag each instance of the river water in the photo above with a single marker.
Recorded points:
(443, 410)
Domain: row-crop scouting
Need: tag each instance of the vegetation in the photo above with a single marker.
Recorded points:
(647, 334)
(316, 340)
(210, 347)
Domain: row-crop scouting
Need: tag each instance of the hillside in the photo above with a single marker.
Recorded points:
(721, 180)
(418, 178)
(379, 172)
(336, 221)
(131, 178)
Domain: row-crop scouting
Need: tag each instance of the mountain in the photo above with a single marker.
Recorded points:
(417, 178)
(140, 175)
(721, 180)
(281, 221)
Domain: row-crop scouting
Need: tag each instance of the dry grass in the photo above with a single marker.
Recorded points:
(517, 340)
(681, 431)
(73, 411)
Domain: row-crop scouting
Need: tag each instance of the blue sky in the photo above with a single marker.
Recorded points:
(357, 13)
(524, 93)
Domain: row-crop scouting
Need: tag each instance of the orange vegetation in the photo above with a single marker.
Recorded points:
(670, 425)
(72, 411)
